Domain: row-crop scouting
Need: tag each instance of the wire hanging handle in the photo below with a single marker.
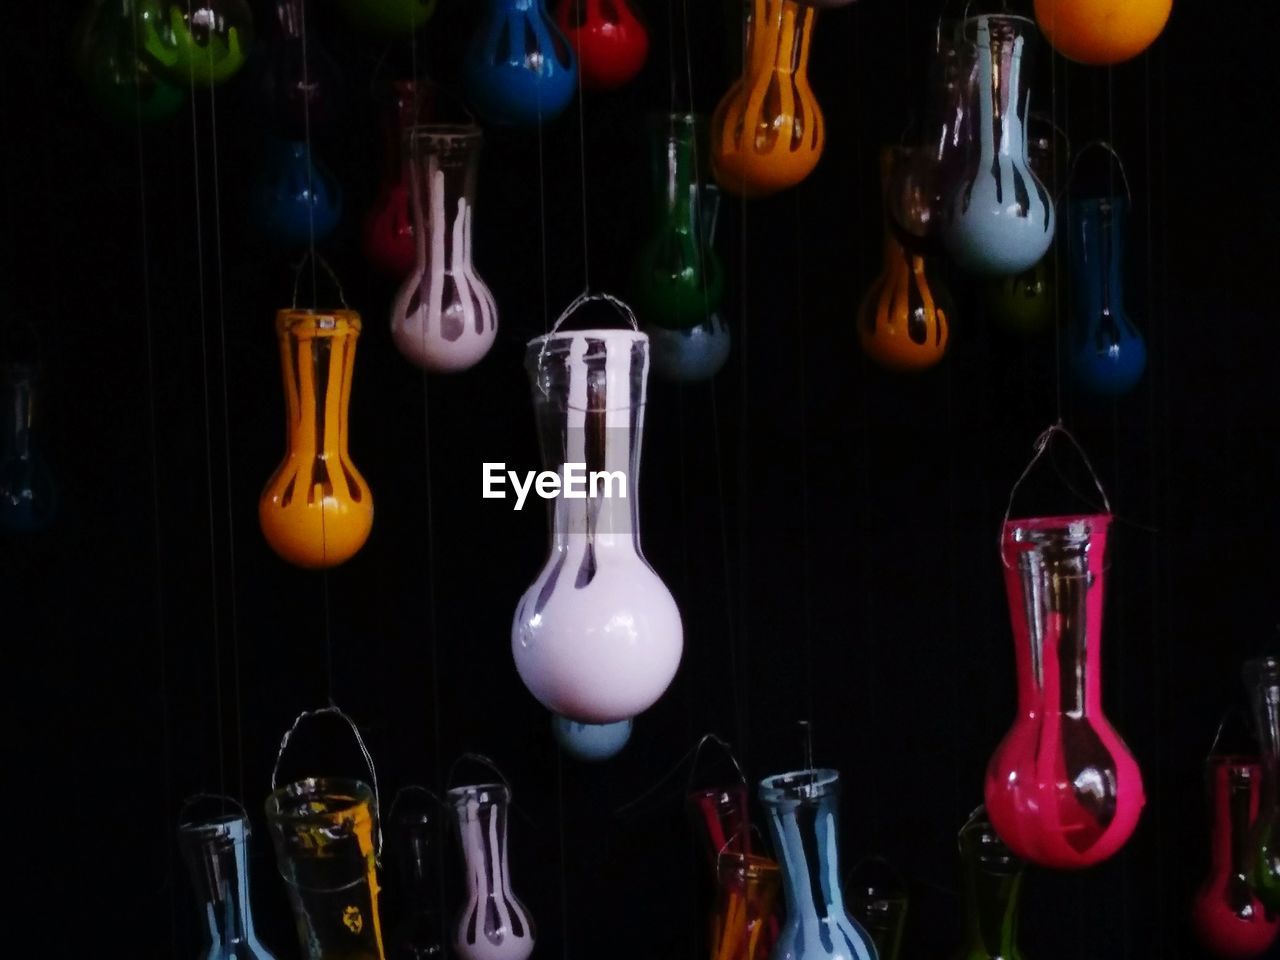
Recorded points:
(412, 788)
(198, 798)
(334, 711)
(582, 299)
(692, 754)
(482, 760)
(697, 755)
(1041, 445)
(1115, 156)
(297, 278)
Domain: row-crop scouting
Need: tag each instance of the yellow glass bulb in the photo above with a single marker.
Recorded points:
(316, 510)
(767, 133)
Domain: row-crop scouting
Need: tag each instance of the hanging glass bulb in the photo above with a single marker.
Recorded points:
(1228, 919)
(609, 37)
(802, 810)
(1000, 217)
(316, 510)
(767, 133)
(301, 89)
(519, 69)
(324, 831)
(878, 900)
(992, 878)
(1062, 788)
(1102, 32)
(1024, 304)
(413, 821)
(1108, 353)
(493, 924)
(200, 42)
(444, 319)
(388, 227)
(904, 321)
(1262, 680)
(27, 499)
(294, 200)
(679, 280)
(217, 857)
(106, 54)
(591, 742)
(597, 636)
(389, 19)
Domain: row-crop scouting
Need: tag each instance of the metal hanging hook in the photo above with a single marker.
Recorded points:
(297, 279)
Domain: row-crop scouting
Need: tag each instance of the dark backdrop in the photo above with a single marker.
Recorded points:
(827, 528)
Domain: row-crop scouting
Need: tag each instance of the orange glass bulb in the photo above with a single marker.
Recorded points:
(904, 320)
(1102, 32)
(316, 510)
(767, 133)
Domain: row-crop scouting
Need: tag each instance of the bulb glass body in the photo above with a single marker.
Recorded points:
(444, 319)
(904, 321)
(493, 924)
(195, 42)
(1108, 353)
(107, 56)
(519, 70)
(591, 742)
(323, 831)
(1262, 679)
(802, 811)
(27, 495)
(1000, 217)
(388, 236)
(878, 900)
(294, 199)
(1062, 789)
(609, 37)
(767, 134)
(992, 878)
(417, 935)
(216, 854)
(1102, 32)
(1228, 919)
(597, 636)
(316, 510)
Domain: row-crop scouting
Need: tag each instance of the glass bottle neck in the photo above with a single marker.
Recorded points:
(289, 17)
(219, 872)
(1002, 98)
(1097, 256)
(805, 837)
(991, 912)
(17, 435)
(778, 37)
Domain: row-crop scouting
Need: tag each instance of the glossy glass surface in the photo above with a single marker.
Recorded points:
(1228, 918)
(316, 510)
(28, 498)
(802, 811)
(992, 883)
(591, 742)
(493, 924)
(609, 37)
(216, 854)
(904, 322)
(323, 832)
(878, 900)
(294, 199)
(388, 235)
(1262, 679)
(1108, 353)
(1101, 32)
(444, 319)
(107, 56)
(744, 925)
(1062, 789)
(195, 42)
(1000, 217)
(519, 70)
(301, 92)
(767, 134)
(417, 935)
(597, 636)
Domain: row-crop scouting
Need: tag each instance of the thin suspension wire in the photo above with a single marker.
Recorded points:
(1055, 63)
(166, 779)
(582, 159)
(226, 433)
(542, 226)
(215, 619)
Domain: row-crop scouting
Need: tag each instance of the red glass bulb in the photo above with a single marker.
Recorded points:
(1229, 921)
(610, 39)
(388, 227)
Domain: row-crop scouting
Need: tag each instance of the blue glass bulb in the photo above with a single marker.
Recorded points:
(294, 198)
(519, 69)
(591, 742)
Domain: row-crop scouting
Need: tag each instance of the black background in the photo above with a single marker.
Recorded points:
(828, 528)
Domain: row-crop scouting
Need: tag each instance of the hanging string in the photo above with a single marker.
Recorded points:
(542, 225)
(166, 780)
(1055, 64)
(806, 598)
(208, 428)
(744, 472)
(582, 159)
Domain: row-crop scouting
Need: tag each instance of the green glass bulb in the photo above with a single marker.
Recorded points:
(106, 55)
(1023, 304)
(388, 18)
(992, 884)
(679, 280)
(202, 43)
